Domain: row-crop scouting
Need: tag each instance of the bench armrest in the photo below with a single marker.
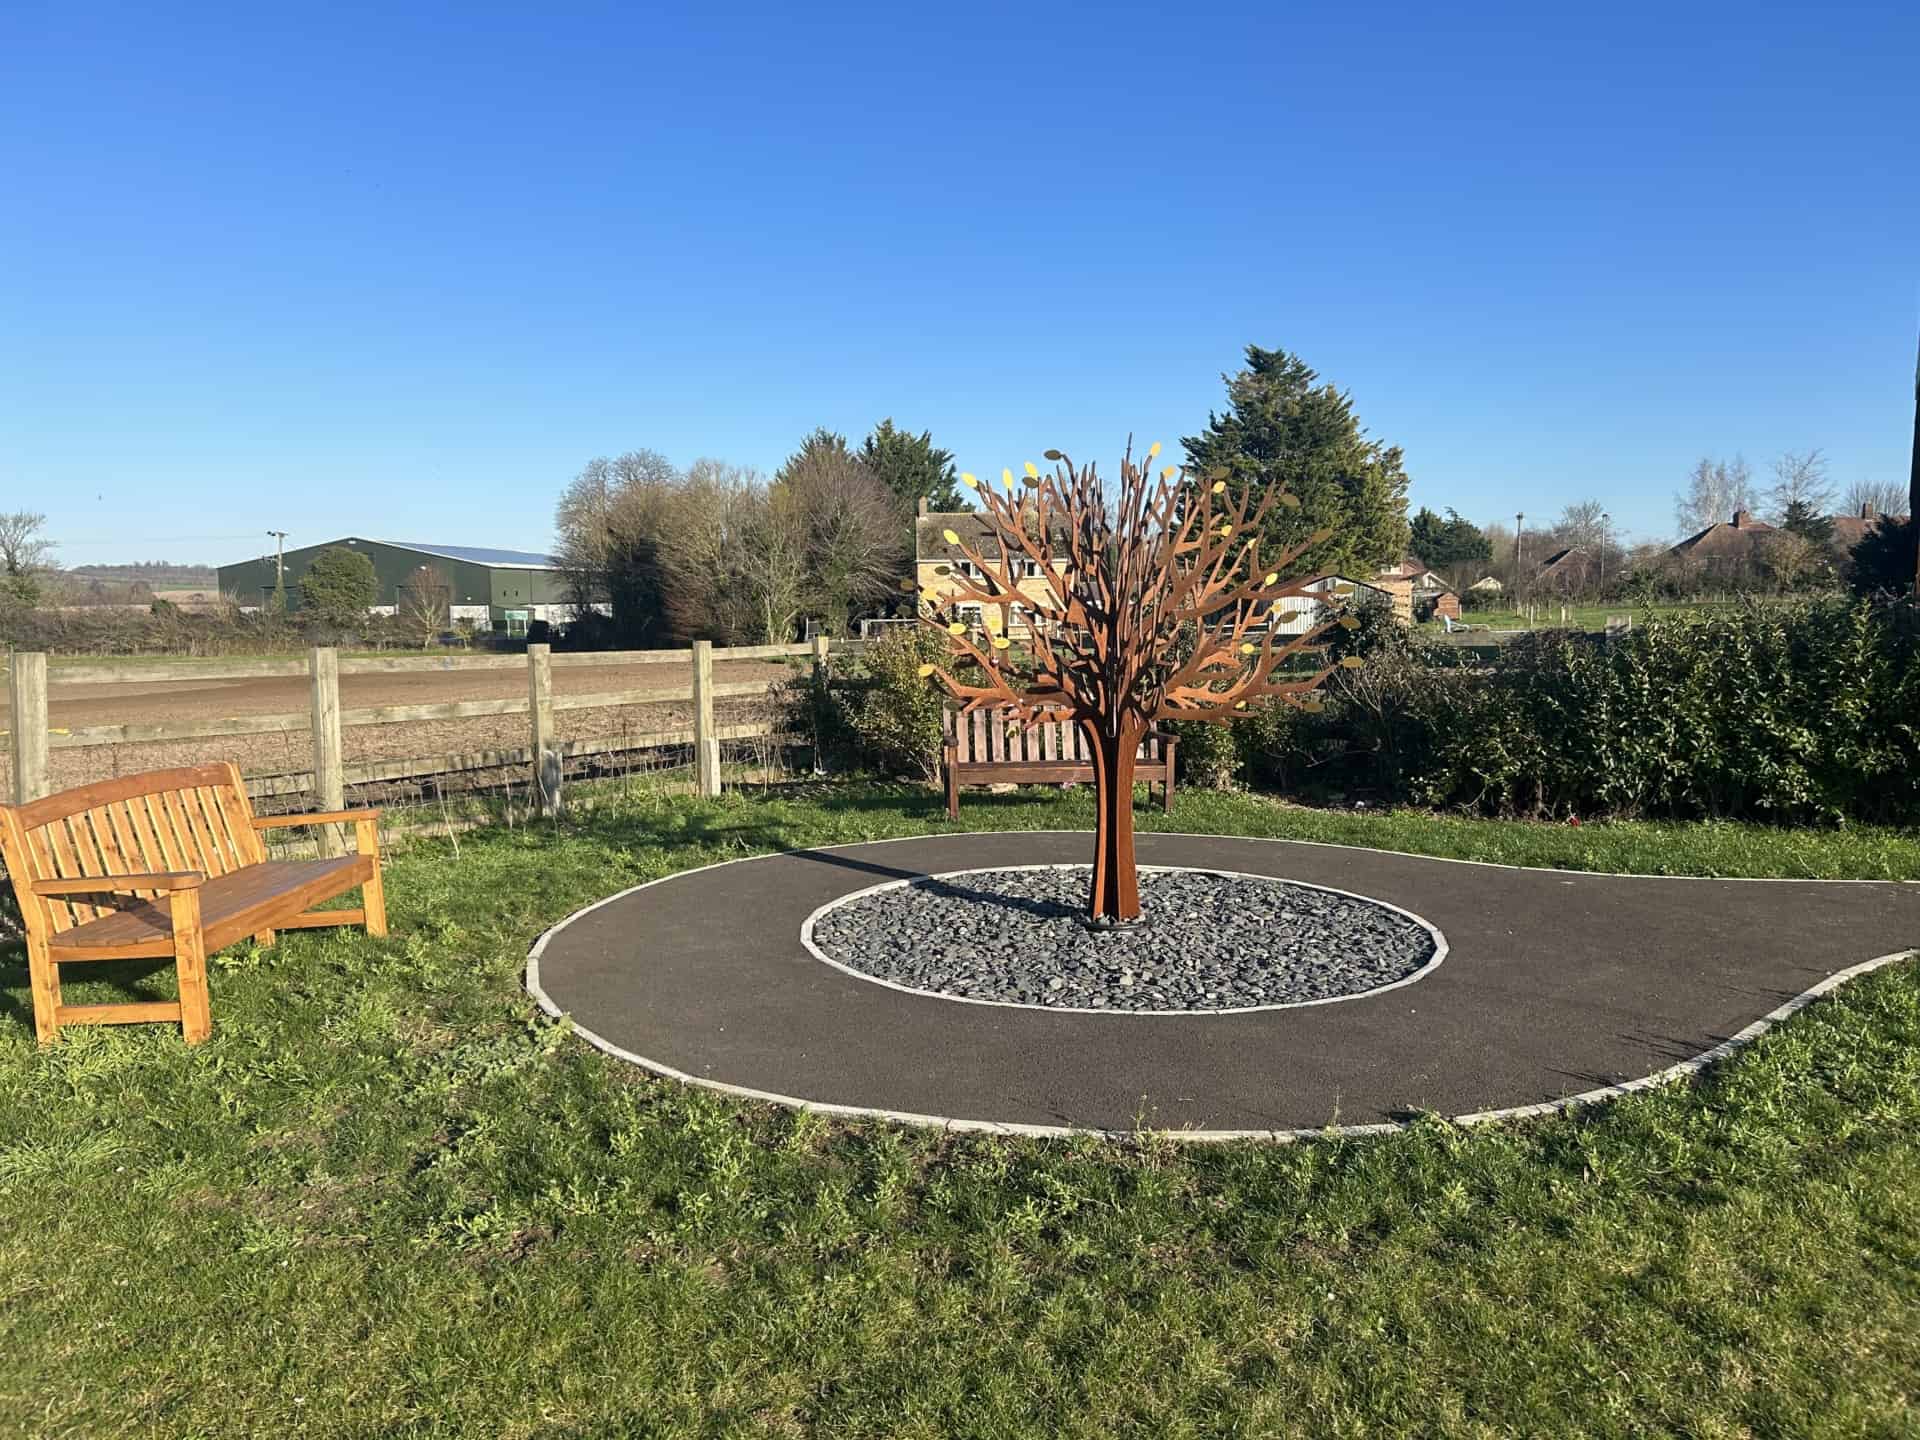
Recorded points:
(116, 884)
(325, 817)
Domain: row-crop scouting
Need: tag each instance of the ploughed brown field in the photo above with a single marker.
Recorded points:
(149, 697)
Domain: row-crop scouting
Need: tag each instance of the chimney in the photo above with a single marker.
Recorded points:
(1867, 511)
(923, 505)
(1742, 519)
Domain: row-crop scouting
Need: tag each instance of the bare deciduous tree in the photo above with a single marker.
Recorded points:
(1790, 558)
(608, 523)
(1714, 490)
(1799, 477)
(1886, 497)
(706, 529)
(426, 605)
(854, 540)
(1584, 523)
(773, 578)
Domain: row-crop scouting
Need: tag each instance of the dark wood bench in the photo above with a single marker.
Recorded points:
(981, 749)
(169, 864)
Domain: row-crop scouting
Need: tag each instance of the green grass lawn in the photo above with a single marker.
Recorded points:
(388, 1197)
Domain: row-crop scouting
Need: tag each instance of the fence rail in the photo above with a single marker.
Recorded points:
(31, 738)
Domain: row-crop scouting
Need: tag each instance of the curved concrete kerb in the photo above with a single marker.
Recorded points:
(815, 949)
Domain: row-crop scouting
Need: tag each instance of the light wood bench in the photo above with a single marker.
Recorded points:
(981, 749)
(167, 864)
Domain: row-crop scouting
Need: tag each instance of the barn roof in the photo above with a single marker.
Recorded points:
(482, 555)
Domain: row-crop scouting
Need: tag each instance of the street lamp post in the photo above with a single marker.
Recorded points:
(279, 569)
(1606, 534)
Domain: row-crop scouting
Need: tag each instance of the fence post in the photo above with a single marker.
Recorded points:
(820, 657)
(28, 686)
(706, 746)
(329, 765)
(546, 754)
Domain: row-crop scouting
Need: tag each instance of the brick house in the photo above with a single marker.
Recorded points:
(940, 569)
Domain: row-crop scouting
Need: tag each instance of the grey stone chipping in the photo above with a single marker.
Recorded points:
(1208, 941)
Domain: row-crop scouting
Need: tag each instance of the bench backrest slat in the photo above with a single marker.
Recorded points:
(194, 818)
(983, 738)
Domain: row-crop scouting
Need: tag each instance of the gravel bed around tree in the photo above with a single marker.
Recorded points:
(1207, 941)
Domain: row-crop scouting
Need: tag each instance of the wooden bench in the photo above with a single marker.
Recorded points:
(980, 749)
(167, 864)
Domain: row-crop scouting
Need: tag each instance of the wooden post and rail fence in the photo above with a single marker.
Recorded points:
(31, 739)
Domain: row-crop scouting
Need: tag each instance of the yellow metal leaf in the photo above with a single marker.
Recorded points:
(1240, 705)
(1169, 472)
(1153, 450)
(1225, 531)
(956, 628)
(950, 537)
(1312, 707)
(969, 481)
(908, 586)
(1006, 477)
(1281, 617)
(1292, 502)
(1272, 577)
(1218, 486)
(1247, 647)
(1053, 454)
(1033, 470)
(924, 671)
(1000, 642)
(1349, 622)
(1352, 662)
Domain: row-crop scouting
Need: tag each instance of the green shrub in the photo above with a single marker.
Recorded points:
(1791, 712)
(1208, 756)
(895, 720)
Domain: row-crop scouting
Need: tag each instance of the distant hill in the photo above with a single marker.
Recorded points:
(158, 574)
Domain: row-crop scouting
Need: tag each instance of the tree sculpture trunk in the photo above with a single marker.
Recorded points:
(1116, 881)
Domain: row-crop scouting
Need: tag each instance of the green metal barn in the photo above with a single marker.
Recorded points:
(503, 589)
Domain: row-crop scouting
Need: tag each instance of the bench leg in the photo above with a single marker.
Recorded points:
(373, 892)
(1166, 792)
(44, 976)
(190, 964)
(953, 791)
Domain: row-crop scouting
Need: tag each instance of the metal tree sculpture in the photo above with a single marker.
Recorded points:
(1162, 608)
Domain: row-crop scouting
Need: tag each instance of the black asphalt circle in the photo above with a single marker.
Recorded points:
(1556, 984)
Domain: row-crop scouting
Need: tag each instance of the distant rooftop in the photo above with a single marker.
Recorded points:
(480, 555)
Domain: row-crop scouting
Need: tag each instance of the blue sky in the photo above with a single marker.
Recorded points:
(401, 270)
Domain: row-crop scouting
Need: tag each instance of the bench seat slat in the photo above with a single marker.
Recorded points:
(232, 906)
(1038, 772)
